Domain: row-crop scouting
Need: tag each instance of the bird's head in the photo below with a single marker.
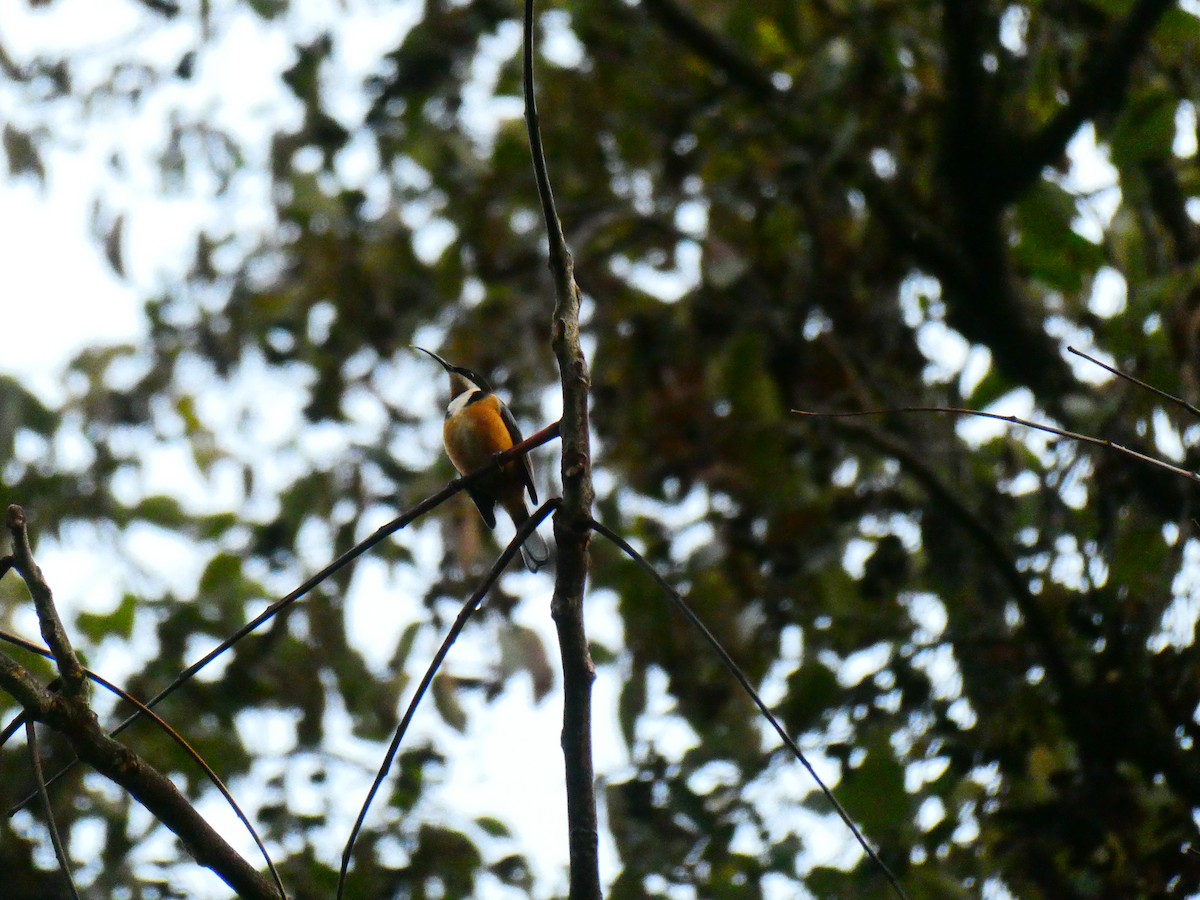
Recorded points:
(461, 378)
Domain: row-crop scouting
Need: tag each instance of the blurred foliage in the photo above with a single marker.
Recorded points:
(989, 640)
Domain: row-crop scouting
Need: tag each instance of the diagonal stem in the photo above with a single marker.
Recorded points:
(35, 762)
(742, 680)
(468, 608)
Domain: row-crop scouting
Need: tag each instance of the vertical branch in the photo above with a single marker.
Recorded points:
(572, 530)
(53, 632)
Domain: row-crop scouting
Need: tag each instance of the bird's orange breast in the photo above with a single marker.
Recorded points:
(475, 434)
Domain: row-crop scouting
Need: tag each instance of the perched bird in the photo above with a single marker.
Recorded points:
(477, 427)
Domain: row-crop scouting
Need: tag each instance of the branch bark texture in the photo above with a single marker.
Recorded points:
(572, 522)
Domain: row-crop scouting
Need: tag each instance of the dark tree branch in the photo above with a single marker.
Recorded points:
(75, 721)
(982, 301)
(170, 732)
(572, 531)
(1103, 87)
(721, 53)
(742, 680)
(969, 124)
(35, 763)
(51, 626)
(468, 609)
(1169, 201)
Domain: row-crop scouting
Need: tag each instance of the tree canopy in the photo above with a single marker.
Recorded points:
(985, 635)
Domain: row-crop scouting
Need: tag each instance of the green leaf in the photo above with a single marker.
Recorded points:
(22, 153)
(874, 792)
(161, 510)
(445, 698)
(812, 691)
(223, 571)
(1048, 248)
(1145, 130)
(514, 870)
(1113, 8)
(521, 650)
(493, 827)
(118, 623)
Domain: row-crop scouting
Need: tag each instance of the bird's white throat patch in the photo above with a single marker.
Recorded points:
(458, 404)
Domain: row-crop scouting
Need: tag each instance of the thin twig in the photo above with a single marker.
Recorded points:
(35, 762)
(737, 673)
(468, 608)
(534, 440)
(167, 729)
(1178, 401)
(557, 243)
(51, 625)
(1012, 420)
(12, 727)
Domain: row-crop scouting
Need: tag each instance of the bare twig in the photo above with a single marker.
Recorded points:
(742, 680)
(53, 632)
(170, 732)
(1178, 401)
(35, 762)
(12, 727)
(1012, 420)
(534, 440)
(468, 608)
(572, 533)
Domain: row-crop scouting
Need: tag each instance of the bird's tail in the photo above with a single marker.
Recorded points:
(534, 552)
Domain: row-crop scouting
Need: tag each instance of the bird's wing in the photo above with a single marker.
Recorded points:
(486, 506)
(526, 467)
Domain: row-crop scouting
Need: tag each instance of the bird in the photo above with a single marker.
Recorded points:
(478, 425)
